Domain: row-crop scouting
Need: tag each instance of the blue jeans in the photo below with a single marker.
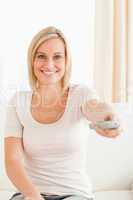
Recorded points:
(19, 196)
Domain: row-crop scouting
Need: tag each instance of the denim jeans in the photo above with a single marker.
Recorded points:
(19, 196)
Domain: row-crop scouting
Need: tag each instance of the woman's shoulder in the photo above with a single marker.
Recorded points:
(19, 97)
(82, 91)
(81, 87)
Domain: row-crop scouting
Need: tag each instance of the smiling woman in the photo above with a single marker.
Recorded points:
(45, 130)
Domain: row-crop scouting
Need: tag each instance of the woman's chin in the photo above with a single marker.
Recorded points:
(48, 82)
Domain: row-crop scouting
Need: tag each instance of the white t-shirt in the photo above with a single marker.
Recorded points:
(55, 154)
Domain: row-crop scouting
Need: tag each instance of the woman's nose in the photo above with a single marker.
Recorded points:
(50, 65)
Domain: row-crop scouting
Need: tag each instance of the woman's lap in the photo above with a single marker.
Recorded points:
(19, 196)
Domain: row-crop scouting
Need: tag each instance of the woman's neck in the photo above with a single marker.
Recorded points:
(49, 95)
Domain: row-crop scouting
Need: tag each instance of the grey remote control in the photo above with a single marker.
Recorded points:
(106, 124)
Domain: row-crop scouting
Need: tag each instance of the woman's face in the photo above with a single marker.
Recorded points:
(49, 62)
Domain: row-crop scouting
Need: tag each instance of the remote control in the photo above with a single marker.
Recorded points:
(106, 124)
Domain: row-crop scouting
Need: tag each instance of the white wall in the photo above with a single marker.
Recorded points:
(20, 20)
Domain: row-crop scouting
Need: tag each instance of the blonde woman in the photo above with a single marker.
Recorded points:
(45, 148)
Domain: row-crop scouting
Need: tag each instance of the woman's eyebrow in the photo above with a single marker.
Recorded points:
(40, 52)
(59, 53)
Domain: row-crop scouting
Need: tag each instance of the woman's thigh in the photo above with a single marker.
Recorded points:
(76, 197)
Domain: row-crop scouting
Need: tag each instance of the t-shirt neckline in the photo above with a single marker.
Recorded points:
(53, 123)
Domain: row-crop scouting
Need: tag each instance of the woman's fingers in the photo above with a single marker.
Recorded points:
(109, 133)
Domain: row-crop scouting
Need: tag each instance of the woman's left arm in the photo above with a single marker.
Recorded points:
(95, 111)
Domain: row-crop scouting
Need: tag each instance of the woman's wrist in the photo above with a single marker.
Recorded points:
(33, 195)
(33, 198)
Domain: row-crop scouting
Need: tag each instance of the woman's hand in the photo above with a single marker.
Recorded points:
(29, 198)
(108, 133)
(96, 111)
(34, 198)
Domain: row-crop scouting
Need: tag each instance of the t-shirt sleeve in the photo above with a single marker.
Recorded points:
(13, 126)
(88, 94)
(81, 95)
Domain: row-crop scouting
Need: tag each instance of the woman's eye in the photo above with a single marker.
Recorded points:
(41, 56)
(57, 56)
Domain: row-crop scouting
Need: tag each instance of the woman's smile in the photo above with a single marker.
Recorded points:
(49, 73)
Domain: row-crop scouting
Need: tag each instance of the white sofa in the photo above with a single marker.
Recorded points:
(110, 163)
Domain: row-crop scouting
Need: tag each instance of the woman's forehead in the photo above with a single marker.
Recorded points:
(54, 44)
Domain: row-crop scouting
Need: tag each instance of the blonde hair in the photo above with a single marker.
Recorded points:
(38, 39)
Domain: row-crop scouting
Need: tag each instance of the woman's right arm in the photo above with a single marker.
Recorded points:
(15, 168)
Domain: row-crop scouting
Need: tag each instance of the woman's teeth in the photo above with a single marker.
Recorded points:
(48, 72)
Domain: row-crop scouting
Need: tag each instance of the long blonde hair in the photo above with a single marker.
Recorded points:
(38, 39)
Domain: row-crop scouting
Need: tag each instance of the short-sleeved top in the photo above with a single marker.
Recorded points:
(55, 154)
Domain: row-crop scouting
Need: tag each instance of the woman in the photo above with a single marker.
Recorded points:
(45, 148)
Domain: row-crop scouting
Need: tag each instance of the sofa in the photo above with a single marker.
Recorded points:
(109, 164)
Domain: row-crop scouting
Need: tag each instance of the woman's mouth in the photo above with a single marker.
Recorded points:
(48, 73)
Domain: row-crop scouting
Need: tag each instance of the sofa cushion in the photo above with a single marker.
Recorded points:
(114, 195)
